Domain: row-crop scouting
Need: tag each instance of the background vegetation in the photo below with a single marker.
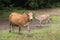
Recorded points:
(29, 4)
(11, 5)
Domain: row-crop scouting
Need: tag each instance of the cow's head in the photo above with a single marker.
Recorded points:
(30, 16)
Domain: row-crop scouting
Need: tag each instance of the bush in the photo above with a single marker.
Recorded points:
(31, 4)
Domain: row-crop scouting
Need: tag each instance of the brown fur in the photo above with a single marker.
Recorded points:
(18, 19)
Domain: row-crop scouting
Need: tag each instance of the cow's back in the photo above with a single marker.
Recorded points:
(18, 19)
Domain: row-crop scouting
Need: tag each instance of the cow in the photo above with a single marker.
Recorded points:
(20, 20)
(43, 18)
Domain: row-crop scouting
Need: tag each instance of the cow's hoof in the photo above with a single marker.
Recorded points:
(9, 31)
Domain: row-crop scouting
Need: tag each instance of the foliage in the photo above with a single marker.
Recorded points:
(30, 4)
(33, 4)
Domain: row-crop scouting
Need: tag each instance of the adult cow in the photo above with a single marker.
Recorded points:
(20, 20)
(43, 18)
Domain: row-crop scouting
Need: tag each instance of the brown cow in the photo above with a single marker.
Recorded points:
(20, 20)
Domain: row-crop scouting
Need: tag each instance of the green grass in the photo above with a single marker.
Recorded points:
(49, 32)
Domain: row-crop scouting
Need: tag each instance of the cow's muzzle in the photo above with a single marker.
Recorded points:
(30, 19)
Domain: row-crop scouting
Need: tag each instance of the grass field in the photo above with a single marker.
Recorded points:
(49, 32)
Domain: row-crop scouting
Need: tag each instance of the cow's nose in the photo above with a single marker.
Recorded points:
(31, 20)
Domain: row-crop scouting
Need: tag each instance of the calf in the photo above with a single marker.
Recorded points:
(44, 18)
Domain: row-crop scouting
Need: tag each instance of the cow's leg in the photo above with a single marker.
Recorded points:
(27, 25)
(49, 20)
(46, 21)
(28, 28)
(10, 27)
(40, 23)
(19, 29)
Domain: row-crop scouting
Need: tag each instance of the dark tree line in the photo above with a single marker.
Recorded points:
(30, 4)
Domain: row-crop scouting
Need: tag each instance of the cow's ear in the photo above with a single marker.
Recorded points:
(27, 14)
